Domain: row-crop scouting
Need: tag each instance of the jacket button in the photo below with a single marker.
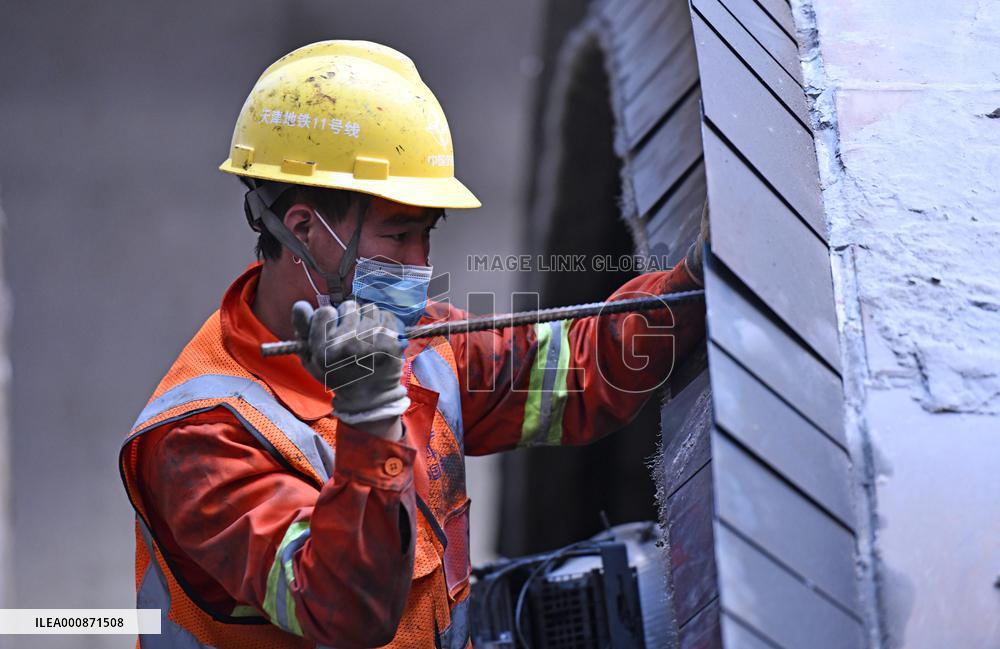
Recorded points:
(393, 466)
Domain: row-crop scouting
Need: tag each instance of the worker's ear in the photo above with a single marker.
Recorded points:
(299, 219)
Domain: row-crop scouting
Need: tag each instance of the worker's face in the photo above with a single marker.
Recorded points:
(392, 232)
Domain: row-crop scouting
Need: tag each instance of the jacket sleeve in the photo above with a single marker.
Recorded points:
(573, 381)
(332, 564)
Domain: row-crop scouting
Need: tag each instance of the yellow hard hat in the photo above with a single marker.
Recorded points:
(348, 115)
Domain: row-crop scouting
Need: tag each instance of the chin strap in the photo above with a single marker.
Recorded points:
(351, 252)
(258, 204)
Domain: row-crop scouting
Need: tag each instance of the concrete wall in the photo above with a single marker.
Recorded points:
(910, 157)
(122, 235)
(6, 579)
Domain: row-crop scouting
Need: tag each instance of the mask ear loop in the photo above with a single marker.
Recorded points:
(321, 298)
(351, 251)
(336, 295)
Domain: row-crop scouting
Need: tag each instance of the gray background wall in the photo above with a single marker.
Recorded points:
(121, 235)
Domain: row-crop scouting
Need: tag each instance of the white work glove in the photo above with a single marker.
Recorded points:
(356, 352)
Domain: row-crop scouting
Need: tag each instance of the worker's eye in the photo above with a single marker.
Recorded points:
(398, 238)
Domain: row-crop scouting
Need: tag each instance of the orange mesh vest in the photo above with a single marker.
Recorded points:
(206, 376)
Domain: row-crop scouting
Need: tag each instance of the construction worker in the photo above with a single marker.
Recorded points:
(269, 514)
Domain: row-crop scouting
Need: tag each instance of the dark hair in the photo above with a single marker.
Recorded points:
(333, 204)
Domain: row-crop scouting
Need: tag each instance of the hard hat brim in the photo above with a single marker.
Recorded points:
(448, 193)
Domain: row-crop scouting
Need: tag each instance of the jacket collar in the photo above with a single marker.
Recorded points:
(242, 334)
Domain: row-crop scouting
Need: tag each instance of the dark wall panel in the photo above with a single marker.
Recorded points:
(702, 631)
(766, 31)
(672, 150)
(662, 92)
(738, 325)
(784, 526)
(686, 445)
(762, 61)
(783, 439)
(753, 476)
(776, 603)
(779, 11)
(619, 14)
(637, 29)
(675, 223)
(763, 130)
(771, 513)
(628, 45)
(689, 516)
(648, 58)
(736, 635)
(779, 259)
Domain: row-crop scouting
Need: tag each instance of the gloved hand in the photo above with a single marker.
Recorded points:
(356, 352)
(694, 258)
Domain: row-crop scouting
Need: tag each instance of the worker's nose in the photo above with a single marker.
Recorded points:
(415, 254)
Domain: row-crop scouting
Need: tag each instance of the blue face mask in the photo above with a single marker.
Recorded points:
(398, 288)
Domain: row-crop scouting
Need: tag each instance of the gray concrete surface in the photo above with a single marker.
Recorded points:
(909, 160)
(121, 235)
(6, 567)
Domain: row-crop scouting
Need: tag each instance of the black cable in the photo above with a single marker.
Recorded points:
(513, 565)
(588, 545)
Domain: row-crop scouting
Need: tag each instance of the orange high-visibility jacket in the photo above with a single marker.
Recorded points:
(262, 521)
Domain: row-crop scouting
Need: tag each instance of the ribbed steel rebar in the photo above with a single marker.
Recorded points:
(504, 320)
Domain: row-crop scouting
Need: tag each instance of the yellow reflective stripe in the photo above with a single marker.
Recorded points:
(242, 610)
(547, 386)
(278, 601)
(292, 621)
(560, 391)
(533, 406)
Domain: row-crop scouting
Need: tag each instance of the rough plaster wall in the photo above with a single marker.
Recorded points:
(909, 158)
